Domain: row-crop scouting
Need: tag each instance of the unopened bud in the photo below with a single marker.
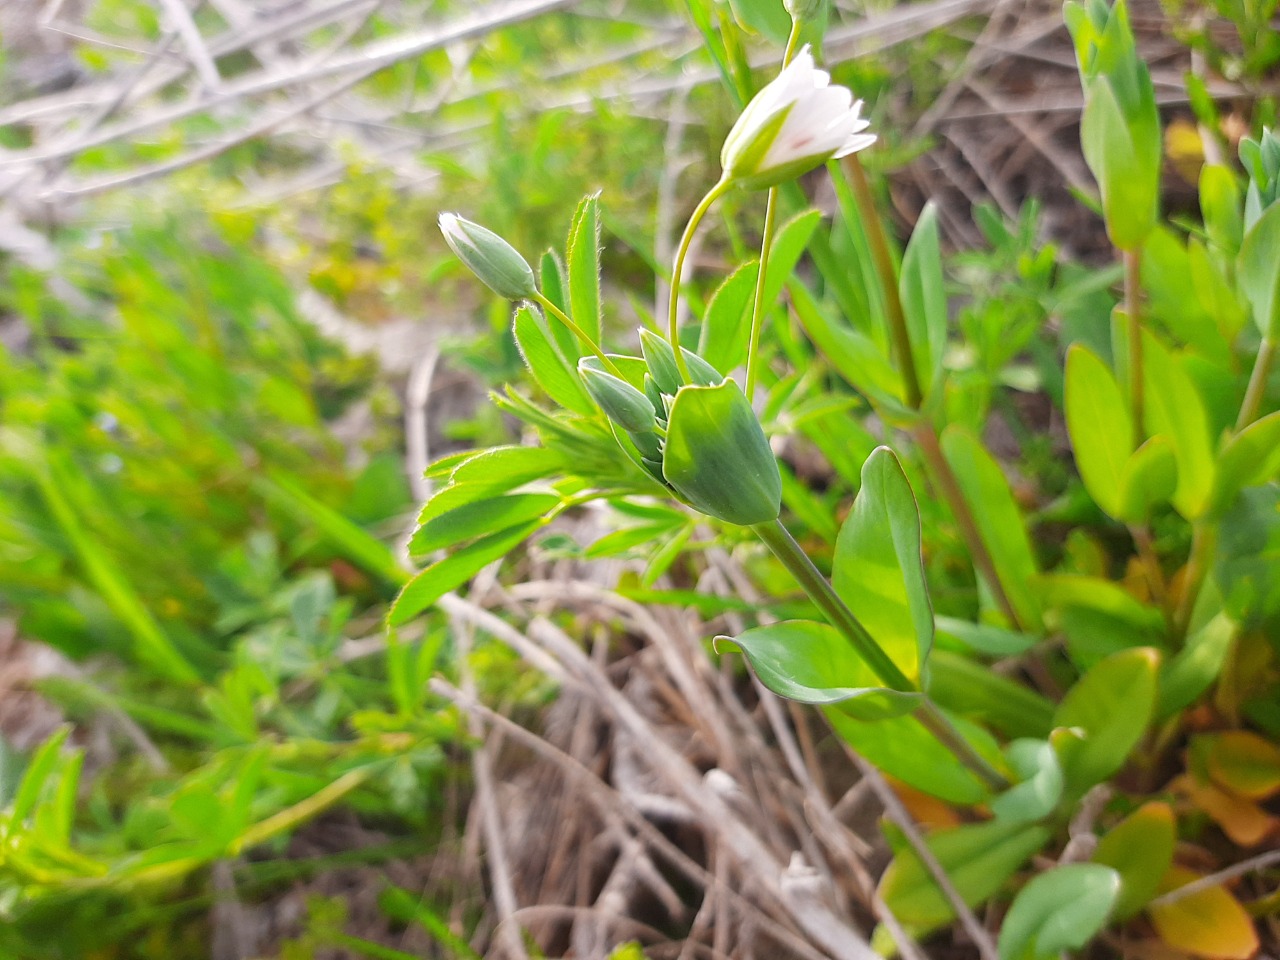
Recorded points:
(804, 10)
(497, 263)
(622, 403)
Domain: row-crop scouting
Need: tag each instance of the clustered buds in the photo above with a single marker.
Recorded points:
(700, 438)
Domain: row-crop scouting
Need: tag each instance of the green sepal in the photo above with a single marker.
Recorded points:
(718, 458)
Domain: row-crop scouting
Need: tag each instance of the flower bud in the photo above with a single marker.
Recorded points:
(662, 364)
(498, 264)
(622, 403)
(804, 10)
(717, 457)
(798, 121)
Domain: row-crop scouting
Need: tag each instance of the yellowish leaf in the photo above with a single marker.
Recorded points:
(1210, 923)
(1241, 819)
(1245, 764)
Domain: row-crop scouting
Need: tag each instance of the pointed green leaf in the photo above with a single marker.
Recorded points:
(1140, 848)
(789, 244)
(978, 858)
(1061, 909)
(584, 266)
(1100, 426)
(1110, 708)
(854, 355)
(480, 518)
(924, 297)
(972, 689)
(811, 662)
(999, 520)
(1149, 478)
(1249, 458)
(723, 338)
(547, 364)
(453, 571)
(878, 569)
(1258, 271)
(1175, 410)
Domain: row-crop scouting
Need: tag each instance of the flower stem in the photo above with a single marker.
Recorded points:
(778, 539)
(758, 307)
(1137, 402)
(578, 332)
(1257, 384)
(901, 337)
(677, 270)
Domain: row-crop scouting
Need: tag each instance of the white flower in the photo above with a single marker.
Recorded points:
(795, 123)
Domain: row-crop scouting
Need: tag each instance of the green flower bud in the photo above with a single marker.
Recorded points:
(803, 10)
(1261, 159)
(662, 364)
(717, 457)
(497, 263)
(622, 403)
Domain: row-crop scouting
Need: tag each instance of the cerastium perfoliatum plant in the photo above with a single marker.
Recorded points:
(1055, 716)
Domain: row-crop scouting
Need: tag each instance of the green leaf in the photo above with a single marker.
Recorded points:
(554, 285)
(1174, 409)
(1220, 205)
(999, 520)
(584, 266)
(1110, 708)
(718, 458)
(32, 786)
(480, 518)
(767, 17)
(789, 244)
(978, 858)
(974, 690)
(1061, 909)
(1249, 458)
(810, 662)
(1196, 666)
(878, 569)
(505, 468)
(666, 554)
(548, 366)
(1149, 478)
(453, 571)
(924, 297)
(1100, 427)
(722, 341)
(1039, 787)
(1140, 848)
(984, 638)
(854, 355)
(1258, 271)
(904, 749)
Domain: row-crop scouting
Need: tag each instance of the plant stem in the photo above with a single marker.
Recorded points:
(925, 434)
(1257, 384)
(758, 307)
(1204, 537)
(1132, 281)
(898, 332)
(677, 270)
(945, 479)
(578, 332)
(778, 539)
(766, 244)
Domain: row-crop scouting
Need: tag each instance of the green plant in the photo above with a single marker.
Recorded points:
(1122, 638)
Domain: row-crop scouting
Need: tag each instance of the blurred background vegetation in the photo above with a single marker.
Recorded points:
(231, 338)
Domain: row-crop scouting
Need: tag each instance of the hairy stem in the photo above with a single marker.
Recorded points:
(677, 270)
(578, 332)
(778, 539)
(1133, 319)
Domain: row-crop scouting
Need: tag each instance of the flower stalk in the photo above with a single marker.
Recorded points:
(677, 271)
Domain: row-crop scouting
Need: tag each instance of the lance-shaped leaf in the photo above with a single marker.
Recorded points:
(717, 456)
(810, 662)
(1100, 426)
(878, 570)
(1174, 408)
(1259, 271)
(924, 298)
(584, 266)
(1140, 848)
(547, 364)
(1057, 911)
